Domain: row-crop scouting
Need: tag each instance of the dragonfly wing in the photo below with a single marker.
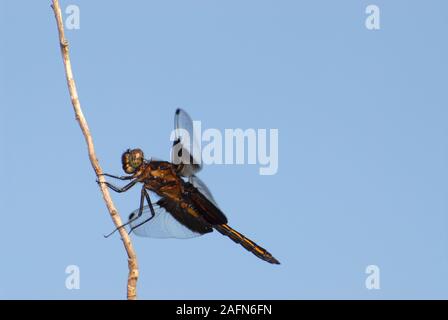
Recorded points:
(162, 225)
(202, 187)
(203, 201)
(186, 149)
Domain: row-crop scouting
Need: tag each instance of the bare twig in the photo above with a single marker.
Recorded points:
(132, 258)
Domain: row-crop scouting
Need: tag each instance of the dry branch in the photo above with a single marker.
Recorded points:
(132, 258)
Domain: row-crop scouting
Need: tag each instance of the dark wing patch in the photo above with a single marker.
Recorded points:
(185, 150)
(211, 213)
(183, 217)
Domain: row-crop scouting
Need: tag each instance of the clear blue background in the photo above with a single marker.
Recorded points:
(362, 118)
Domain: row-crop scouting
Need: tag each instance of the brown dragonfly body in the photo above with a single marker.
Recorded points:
(188, 202)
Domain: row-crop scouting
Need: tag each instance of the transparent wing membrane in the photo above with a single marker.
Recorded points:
(200, 185)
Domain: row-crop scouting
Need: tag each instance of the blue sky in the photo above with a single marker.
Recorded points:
(362, 119)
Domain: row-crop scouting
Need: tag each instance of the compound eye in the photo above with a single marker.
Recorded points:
(136, 158)
(126, 162)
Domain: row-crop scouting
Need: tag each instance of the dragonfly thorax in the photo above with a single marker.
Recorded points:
(132, 159)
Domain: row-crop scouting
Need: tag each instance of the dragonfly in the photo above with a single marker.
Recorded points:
(185, 207)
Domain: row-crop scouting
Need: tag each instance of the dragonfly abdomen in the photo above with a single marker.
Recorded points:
(246, 243)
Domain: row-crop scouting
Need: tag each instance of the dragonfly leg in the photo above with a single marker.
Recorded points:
(148, 199)
(118, 189)
(117, 177)
(142, 203)
(151, 208)
(140, 211)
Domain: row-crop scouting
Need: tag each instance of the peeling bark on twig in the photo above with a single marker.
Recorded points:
(132, 258)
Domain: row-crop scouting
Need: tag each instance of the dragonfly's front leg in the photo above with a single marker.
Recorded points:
(118, 189)
(117, 177)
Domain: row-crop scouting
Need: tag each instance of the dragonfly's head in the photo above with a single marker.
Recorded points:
(131, 160)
